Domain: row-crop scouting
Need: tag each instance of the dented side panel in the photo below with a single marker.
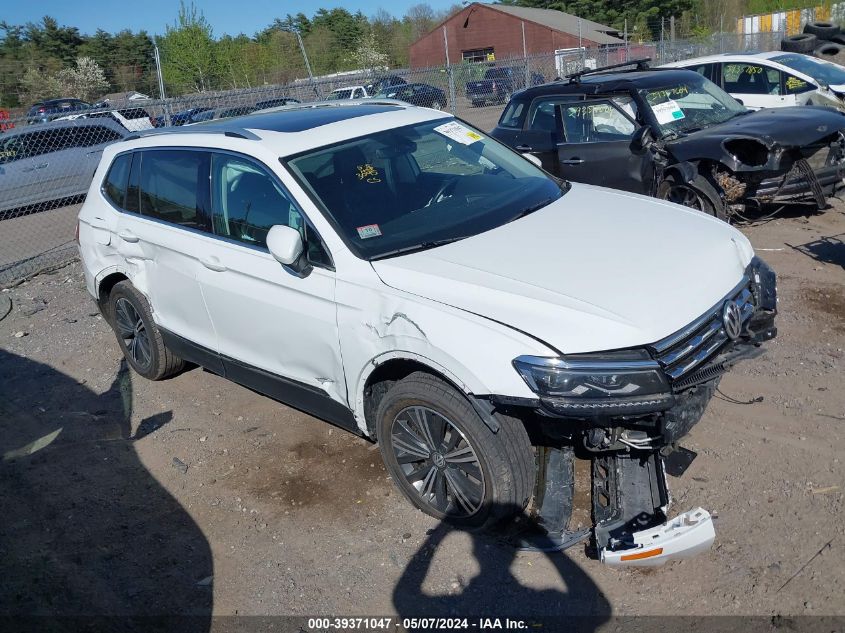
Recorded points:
(377, 324)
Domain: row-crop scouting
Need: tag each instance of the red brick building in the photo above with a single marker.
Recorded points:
(485, 32)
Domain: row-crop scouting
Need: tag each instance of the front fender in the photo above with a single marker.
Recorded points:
(685, 171)
(380, 324)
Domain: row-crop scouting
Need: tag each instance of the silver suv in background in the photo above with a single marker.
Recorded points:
(49, 161)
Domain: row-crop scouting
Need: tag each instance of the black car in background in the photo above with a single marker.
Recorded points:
(418, 94)
(275, 103)
(675, 135)
(384, 83)
(499, 83)
(50, 109)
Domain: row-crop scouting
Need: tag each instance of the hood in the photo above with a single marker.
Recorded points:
(596, 270)
(784, 127)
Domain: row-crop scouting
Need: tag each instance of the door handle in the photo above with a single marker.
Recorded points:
(212, 263)
(96, 151)
(523, 148)
(572, 161)
(41, 166)
(128, 236)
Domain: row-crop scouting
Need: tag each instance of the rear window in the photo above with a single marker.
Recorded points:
(170, 186)
(114, 187)
(514, 115)
(134, 113)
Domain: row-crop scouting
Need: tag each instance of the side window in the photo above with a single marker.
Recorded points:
(795, 86)
(170, 187)
(114, 187)
(513, 115)
(12, 149)
(46, 141)
(705, 70)
(750, 79)
(133, 191)
(246, 202)
(89, 136)
(543, 118)
(595, 122)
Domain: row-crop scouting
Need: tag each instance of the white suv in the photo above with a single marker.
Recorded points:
(402, 275)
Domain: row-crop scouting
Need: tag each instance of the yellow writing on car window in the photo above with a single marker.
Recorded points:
(677, 92)
(793, 83)
(9, 153)
(753, 70)
(368, 172)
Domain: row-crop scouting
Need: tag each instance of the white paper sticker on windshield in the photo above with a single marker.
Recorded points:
(459, 133)
(368, 231)
(667, 112)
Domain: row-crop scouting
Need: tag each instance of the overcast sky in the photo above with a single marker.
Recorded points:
(225, 16)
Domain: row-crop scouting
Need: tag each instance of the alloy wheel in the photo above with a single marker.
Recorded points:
(438, 461)
(133, 332)
(685, 196)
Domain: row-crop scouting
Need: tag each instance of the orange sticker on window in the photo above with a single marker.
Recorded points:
(368, 172)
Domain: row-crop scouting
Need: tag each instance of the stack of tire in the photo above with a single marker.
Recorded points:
(825, 40)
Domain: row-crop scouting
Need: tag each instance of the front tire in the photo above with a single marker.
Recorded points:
(445, 459)
(138, 336)
(699, 195)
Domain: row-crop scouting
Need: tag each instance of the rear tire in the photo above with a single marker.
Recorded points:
(699, 195)
(137, 334)
(446, 460)
(801, 43)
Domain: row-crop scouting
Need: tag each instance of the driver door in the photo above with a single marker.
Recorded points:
(597, 146)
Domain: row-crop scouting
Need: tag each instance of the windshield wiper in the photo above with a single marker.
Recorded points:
(532, 209)
(422, 246)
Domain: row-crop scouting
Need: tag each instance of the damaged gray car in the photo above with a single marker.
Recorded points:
(675, 135)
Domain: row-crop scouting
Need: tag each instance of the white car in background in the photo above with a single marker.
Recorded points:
(773, 80)
(349, 92)
(133, 119)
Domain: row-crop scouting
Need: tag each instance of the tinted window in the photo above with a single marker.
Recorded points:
(133, 191)
(114, 187)
(246, 201)
(11, 149)
(513, 115)
(543, 118)
(705, 70)
(95, 135)
(751, 79)
(795, 86)
(170, 186)
(595, 122)
(46, 141)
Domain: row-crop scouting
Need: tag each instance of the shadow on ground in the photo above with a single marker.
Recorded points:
(828, 250)
(496, 593)
(86, 530)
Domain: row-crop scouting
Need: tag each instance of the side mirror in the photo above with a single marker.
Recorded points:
(739, 101)
(533, 159)
(285, 244)
(643, 139)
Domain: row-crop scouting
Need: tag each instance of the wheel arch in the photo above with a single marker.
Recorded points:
(385, 370)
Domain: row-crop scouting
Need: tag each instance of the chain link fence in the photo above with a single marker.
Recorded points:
(48, 154)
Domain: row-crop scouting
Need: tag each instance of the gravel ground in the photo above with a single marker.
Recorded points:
(196, 496)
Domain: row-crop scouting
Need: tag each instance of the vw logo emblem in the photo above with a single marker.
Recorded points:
(732, 320)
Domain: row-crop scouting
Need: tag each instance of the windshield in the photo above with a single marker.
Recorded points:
(340, 94)
(418, 186)
(820, 70)
(692, 105)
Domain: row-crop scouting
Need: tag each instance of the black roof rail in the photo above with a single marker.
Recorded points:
(640, 64)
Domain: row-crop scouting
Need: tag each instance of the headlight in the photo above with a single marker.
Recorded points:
(614, 383)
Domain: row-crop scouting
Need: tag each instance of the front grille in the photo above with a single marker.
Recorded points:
(690, 347)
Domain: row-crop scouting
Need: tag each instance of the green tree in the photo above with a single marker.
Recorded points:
(188, 52)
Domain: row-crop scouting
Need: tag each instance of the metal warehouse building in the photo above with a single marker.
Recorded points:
(486, 32)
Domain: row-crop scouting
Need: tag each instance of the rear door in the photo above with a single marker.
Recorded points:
(596, 145)
(541, 133)
(165, 233)
(90, 141)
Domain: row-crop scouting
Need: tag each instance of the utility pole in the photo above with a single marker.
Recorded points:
(627, 53)
(307, 63)
(161, 94)
(662, 45)
(452, 97)
(525, 57)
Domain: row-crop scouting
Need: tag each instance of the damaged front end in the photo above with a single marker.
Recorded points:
(627, 412)
(755, 174)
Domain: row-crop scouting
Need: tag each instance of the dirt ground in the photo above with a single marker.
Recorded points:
(196, 496)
